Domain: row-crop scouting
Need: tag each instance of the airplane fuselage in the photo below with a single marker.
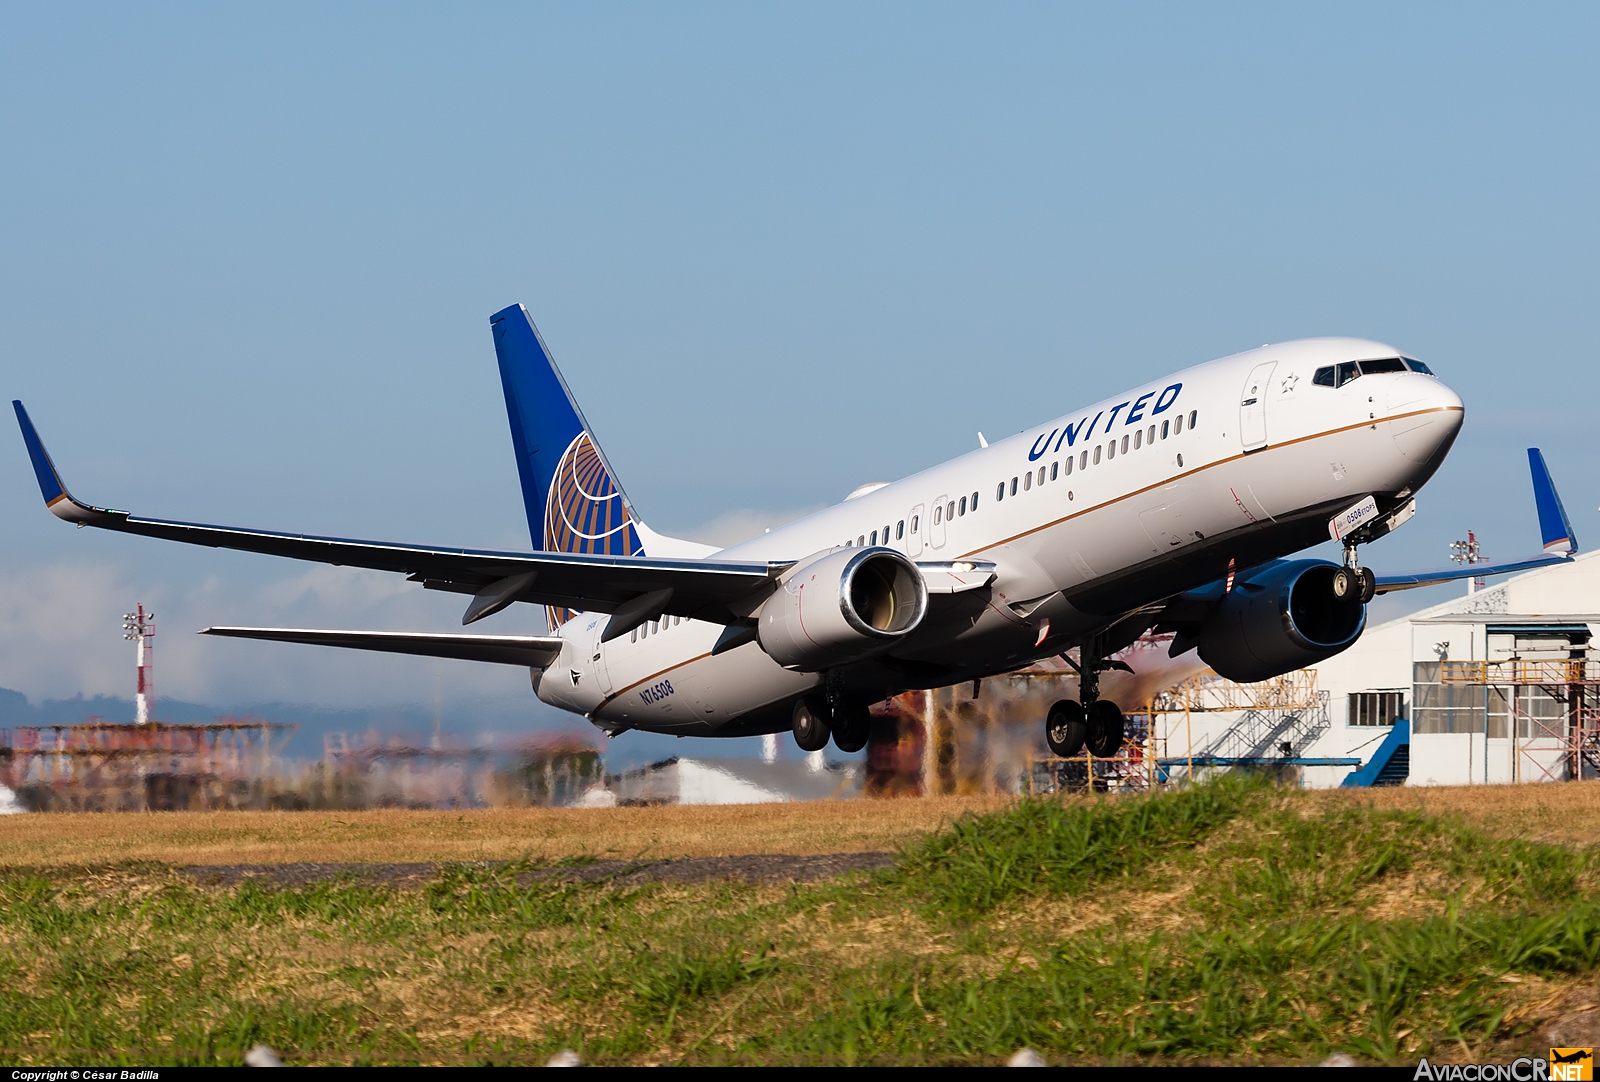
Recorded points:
(1086, 517)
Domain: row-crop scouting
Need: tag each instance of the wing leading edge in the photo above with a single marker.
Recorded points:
(718, 591)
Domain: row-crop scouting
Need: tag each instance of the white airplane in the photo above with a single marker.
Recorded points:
(1170, 506)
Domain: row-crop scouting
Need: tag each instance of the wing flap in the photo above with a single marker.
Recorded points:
(533, 651)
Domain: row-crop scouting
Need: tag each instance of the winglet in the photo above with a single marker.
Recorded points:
(56, 497)
(1554, 528)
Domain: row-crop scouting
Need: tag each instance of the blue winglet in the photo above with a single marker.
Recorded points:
(56, 497)
(50, 485)
(1554, 528)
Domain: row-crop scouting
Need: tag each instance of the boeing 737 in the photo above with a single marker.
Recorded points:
(1176, 506)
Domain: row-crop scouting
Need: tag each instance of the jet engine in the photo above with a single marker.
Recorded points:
(1284, 617)
(843, 607)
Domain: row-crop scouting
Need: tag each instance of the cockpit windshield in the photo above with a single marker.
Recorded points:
(1340, 374)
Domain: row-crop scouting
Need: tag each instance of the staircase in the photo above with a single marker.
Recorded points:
(1270, 733)
(1390, 764)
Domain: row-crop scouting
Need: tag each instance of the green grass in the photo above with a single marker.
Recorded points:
(1231, 922)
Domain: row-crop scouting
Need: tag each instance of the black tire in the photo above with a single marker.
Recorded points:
(810, 725)
(851, 726)
(1346, 586)
(1065, 728)
(1105, 729)
(1369, 584)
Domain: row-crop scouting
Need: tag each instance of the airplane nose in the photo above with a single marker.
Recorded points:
(1425, 416)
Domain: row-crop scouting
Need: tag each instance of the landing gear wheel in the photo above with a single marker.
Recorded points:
(1368, 584)
(851, 725)
(1346, 585)
(1065, 728)
(810, 725)
(1105, 729)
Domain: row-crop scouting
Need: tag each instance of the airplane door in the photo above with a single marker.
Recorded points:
(1253, 406)
(597, 656)
(936, 526)
(914, 538)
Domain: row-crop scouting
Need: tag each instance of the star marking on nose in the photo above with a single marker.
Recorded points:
(1289, 381)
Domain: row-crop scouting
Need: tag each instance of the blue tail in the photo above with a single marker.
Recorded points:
(573, 501)
(1554, 528)
(572, 498)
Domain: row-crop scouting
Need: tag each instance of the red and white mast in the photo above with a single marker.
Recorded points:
(139, 626)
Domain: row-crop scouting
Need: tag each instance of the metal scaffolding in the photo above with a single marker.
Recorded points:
(1550, 707)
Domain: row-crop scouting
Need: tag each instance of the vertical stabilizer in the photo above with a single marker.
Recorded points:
(569, 491)
(571, 495)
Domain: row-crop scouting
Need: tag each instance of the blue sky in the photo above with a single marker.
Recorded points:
(250, 252)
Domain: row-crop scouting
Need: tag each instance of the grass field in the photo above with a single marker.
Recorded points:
(1230, 923)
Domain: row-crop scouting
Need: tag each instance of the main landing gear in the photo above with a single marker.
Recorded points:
(847, 721)
(1094, 723)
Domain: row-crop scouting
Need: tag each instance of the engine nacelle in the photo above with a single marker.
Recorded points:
(843, 607)
(1282, 618)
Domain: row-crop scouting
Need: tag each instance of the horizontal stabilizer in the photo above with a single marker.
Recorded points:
(533, 651)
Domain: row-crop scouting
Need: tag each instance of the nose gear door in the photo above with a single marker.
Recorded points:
(1253, 406)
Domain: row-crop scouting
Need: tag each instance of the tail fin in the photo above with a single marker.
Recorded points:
(1554, 528)
(571, 495)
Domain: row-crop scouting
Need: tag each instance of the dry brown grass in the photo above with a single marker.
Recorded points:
(184, 838)
(1566, 814)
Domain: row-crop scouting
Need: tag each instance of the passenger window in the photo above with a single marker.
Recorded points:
(962, 510)
(634, 637)
(915, 519)
(1097, 450)
(1348, 371)
(1417, 366)
(1055, 469)
(1151, 438)
(900, 529)
(1069, 465)
(950, 512)
(1177, 426)
(938, 514)
(886, 534)
(1013, 486)
(1027, 481)
(1323, 377)
(999, 492)
(1138, 438)
(862, 540)
(1124, 445)
(1194, 415)
(874, 538)
(974, 501)
(655, 627)
(1111, 450)
(1164, 427)
(1083, 459)
(1041, 475)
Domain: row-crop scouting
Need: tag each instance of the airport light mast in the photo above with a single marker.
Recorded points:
(1467, 552)
(139, 627)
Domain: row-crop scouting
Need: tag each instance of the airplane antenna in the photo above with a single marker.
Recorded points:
(139, 627)
(1468, 552)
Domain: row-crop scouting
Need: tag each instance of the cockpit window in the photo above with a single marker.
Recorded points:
(1347, 372)
(1386, 364)
(1323, 377)
(1417, 366)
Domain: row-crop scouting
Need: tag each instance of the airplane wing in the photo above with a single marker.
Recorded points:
(533, 651)
(1555, 529)
(718, 591)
